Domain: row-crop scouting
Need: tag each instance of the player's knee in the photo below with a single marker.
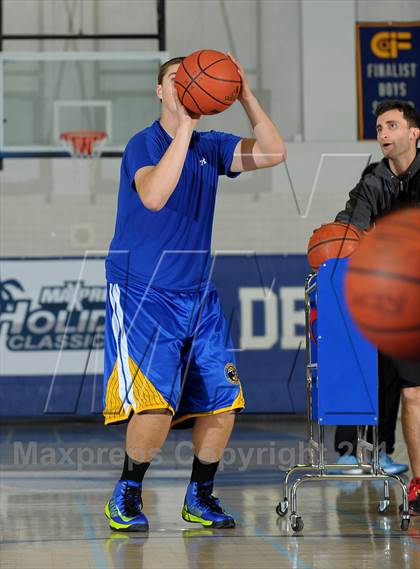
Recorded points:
(411, 395)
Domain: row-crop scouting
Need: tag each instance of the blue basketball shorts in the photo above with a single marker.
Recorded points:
(167, 350)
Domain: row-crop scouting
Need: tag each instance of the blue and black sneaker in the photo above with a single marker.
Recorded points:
(201, 507)
(124, 509)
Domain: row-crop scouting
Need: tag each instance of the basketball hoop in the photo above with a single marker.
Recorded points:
(84, 143)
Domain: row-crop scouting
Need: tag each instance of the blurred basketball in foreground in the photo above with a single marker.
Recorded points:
(332, 241)
(382, 285)
(207, 82)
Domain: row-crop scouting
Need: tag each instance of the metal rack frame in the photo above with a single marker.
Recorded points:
(316, 448)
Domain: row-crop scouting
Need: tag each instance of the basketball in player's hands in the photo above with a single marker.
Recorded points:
(332, 241)
(382, 285)
(207, 82)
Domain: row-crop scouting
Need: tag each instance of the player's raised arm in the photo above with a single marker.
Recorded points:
(268, 147)
(155, 184)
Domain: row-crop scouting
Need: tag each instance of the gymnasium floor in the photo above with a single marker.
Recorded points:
(52, 516)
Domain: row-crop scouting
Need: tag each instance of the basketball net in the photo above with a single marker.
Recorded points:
(85, 144)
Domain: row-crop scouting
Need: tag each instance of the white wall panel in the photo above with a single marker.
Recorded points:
(329, 77)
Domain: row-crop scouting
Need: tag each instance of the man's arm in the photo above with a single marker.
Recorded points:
(155, 184)
(359, 209)
(268, 147)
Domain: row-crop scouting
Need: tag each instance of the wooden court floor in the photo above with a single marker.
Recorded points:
(52, 499)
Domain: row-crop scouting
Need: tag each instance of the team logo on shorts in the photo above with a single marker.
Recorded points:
(231, 374)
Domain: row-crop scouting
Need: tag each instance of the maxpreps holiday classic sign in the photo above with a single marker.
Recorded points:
(52, 314)
(50, 307)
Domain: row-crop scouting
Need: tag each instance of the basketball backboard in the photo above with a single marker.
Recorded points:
(43, 94)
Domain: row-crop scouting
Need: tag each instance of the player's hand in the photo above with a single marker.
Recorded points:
(245, 89)
(185, 117)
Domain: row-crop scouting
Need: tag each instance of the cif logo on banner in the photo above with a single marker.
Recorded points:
(66, 317)
(386, 45)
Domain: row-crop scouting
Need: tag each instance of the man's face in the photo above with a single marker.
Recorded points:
(394, 134)
(165, 91)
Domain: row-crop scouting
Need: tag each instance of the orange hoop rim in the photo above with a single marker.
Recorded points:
(83, 142)
(92, 134)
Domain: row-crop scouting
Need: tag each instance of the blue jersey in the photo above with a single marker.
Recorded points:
(170, 248)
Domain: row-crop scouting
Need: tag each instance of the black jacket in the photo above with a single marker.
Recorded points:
(380, 191)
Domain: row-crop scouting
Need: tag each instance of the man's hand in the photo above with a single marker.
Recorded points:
(267, 148)
(246, 92)
(185, 117)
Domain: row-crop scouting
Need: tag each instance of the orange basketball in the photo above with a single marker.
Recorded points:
(382, 285)
(207, 82)
(332, 241)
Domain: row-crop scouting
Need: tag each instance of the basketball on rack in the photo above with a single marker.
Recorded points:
(382, 285)
(332, 241)
(208, 82)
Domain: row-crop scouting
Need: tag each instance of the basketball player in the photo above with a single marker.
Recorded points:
(164, 322)
(393, 184)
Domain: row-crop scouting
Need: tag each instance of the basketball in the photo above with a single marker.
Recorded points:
(382, 286)
(208, 82)
(332, 241)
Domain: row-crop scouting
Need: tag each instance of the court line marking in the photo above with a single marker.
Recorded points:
(296, 563)
(96, 548)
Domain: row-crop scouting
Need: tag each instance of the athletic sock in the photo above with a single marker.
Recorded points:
(133, 470)
(203, 471)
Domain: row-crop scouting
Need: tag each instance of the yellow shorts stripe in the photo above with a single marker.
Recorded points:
(146, 396)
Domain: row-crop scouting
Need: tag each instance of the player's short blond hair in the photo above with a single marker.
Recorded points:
(164, 67)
